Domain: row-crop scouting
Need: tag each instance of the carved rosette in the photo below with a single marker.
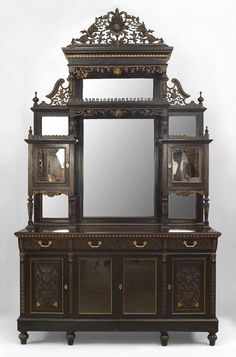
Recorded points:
(117, 28)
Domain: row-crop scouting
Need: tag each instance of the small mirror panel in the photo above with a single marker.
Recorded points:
(118, 88)
(54, 125)
(50, 167)
(182, 125)
(55, 207)
(186, 165)
(182, 207)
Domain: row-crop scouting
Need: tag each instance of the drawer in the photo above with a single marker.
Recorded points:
(117, 243)
(44, 244)
(190, 244)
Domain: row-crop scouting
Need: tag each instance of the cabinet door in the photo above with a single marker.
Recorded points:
(139, 285)
(46, 285)
(51, 167)
(187, 287)
(95, 285)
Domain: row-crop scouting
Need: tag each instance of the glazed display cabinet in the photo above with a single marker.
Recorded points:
(118, 236)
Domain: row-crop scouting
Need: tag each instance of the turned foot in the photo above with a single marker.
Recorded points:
(164, 338)
(70, 337)
(23, 336)
(212, 339)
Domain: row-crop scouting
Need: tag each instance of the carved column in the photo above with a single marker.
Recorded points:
(22, 283)
(30, 210)
(70, 260)
(164, 285)
(206, 209)
(213, 284)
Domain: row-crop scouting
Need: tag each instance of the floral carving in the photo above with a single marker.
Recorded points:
(46, 286)
(86, 72)
(117, 28)
(175, 94)
(188, 286)
(59, 95)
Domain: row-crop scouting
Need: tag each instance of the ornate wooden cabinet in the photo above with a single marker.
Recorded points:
(152, 272)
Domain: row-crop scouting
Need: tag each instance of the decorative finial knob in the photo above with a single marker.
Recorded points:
(35, 99)
(206, 131)
(30, 131)
(200, 99)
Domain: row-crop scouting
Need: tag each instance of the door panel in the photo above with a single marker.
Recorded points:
(188, 293)
(46, 285)
(139, 286)
(95, 285)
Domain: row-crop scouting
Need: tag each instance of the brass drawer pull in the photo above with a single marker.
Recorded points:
(45, 245)
(139, 245)
(95, 246)
(190, 245)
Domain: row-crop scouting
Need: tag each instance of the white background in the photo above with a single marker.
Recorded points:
(203, 34)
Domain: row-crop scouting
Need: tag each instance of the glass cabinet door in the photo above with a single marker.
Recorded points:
(139, 286)
(95, 285)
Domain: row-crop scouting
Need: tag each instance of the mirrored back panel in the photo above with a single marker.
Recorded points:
(182, 125)
(182, 207)
(118, 168)
(55, 207)
(118, 88)
(54, 125)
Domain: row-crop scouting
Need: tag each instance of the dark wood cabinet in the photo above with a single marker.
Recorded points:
(81, 270)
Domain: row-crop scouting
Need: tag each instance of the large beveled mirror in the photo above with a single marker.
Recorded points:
(118, 168)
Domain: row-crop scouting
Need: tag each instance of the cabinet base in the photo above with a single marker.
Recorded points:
(162, 325)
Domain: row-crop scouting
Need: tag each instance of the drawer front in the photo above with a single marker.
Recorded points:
(110, 243)
(190, 244)
(44, 244)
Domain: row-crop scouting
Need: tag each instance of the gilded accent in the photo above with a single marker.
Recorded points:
(190, 245)
(117, 71)
(135, 243)
(157, 55)
(112, 235)
(44, 245)
(95, 245)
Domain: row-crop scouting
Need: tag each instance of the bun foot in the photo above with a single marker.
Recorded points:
(23, 336)
(212, 339)
(164, 338)
(70, 338)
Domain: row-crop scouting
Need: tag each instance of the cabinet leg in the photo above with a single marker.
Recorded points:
(212, 338)
(70, 337)
(164, 338)
(23, 336)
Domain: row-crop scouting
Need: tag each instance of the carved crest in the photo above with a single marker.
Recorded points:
(117, 28)
(175, 94)
(59, 95)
